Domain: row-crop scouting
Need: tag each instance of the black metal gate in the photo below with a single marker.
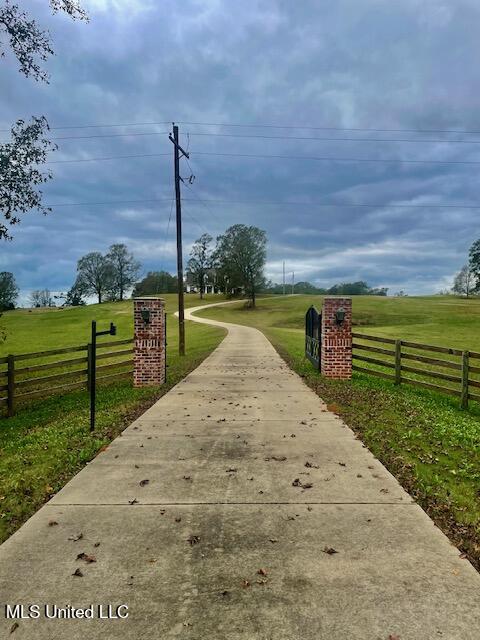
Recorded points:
(313, 335)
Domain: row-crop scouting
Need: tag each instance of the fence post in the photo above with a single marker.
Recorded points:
(464, 394)
(398, 361)
(11, 386)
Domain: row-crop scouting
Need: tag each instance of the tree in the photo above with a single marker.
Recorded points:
(74, 297)
(19, 162)
(464, 281)
(96, 275)
(156, 282)
(125, 267)
(8, 291)
(200, 261)
(474, 263)
(21, 157)
(41, 298)
(241, 254)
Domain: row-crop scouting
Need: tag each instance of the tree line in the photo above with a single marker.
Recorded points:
(108, 277)
(359, 288)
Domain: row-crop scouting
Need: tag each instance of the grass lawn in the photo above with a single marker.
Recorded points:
(30, 330)
(422, 437)
(48, 441)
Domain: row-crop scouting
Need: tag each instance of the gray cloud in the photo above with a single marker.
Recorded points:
(374, 64)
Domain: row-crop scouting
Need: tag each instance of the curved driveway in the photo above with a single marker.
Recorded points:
(239, 508)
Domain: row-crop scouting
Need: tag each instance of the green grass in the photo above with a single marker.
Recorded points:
(422, 437)
(31, 330)
(48, 441)
(438, 320)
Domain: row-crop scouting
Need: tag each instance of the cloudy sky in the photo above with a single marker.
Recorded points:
(380, 100)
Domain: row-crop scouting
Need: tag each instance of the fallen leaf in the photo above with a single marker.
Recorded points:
(310, 465)
(77, 573)
(87, 558)
(245, 583)
(134, 501)
(97, 544)
(79, 536)
(329, 550)
(193, 539)
(273, 540)
(393, 637)
(14, 627)
(262, 572)
(279, 458)
(52, 523)
(178, 519)
(232, 470)
(142, 483)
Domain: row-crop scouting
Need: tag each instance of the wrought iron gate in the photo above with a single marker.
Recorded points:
(313, 335)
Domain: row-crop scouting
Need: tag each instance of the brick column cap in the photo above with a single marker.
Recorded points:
(149, 298)
(346, 298)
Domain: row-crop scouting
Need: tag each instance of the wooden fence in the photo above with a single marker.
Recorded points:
(454, 369)
(22, 376)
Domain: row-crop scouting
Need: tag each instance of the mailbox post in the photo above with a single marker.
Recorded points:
(92, 366)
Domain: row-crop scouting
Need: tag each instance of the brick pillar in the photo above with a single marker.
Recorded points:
(336, 353)
(149, 342)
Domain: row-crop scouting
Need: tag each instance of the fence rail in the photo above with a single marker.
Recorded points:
(21, 383)
(460, 373)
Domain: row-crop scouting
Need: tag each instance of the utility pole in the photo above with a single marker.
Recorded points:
(284, 277)
(293, 282)
(181, 304)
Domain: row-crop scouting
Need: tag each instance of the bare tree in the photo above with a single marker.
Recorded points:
(41, 298)
(126, 269)
(96, 275)
(464, 282)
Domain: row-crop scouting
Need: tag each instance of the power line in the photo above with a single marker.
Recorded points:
(107, 135)
(139, 155)
(265, 137)
(102, 126)
(164, 251)
(278, 203)
(278, 156)
(89, 204)
(316, 128)
(330, 159)
(261, 126)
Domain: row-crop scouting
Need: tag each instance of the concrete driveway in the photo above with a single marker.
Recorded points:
(238, 507)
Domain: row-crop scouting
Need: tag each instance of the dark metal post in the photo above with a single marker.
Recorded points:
(11, 386)
(181, 303)
(93, 373)
(92, 366)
